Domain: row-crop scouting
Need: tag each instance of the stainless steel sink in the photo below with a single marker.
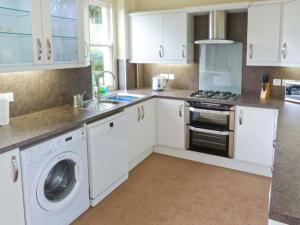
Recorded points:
(122, 97)
(100, 105)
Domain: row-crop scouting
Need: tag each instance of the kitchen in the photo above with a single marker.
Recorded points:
(190, 112)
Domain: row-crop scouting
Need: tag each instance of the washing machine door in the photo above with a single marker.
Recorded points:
(60, 182)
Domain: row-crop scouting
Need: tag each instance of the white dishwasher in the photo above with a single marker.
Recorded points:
(108, 156)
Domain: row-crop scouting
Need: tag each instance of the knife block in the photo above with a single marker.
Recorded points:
(265, 93)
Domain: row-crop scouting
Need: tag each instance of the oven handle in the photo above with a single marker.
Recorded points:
(225, 113)
(223, 133)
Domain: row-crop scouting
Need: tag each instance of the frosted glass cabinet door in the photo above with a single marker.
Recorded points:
(60, 31)
(16, 46)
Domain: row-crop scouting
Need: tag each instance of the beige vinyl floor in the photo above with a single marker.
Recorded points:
(164, 190)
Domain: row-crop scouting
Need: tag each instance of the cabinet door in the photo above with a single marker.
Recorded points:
(134, 133)
(175, 36)
(291, 33)
(83, 32)
(255, 132)
(16, 38)
(146, 37)
(170, 123)
(264, 22)
(148, 123)
(11, 195)
(60, 31)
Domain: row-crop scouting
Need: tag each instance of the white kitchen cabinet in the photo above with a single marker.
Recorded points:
(171, 123)
(146, 37)
(142, 130)
(178, 37)
(11, 195)
(255, 133)
(161, 37)
(43, 34)
(263, 41)
(291, 34)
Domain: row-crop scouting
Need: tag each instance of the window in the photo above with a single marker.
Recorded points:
(101, 43)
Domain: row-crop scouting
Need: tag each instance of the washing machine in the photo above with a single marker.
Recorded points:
(55, 179)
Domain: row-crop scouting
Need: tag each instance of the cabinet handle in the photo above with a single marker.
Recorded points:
(139, 114)
(161, 51)
(15, 169)
(274, 143)
(284, 50)
(180, 110)
(183, 51)
(49, 54)
(241, 117)
(251, 51)
(39, 49)
(87, 49)
(143, 113)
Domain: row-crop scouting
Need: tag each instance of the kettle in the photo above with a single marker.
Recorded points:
(159, 83)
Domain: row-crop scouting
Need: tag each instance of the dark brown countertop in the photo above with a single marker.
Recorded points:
(285, 196)
(28, 129)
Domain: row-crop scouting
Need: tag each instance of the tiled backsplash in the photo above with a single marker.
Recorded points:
(39, 90)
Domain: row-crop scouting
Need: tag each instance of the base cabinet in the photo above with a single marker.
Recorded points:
(255, 135)
(11, 195)
(170, 123)
(142, 129)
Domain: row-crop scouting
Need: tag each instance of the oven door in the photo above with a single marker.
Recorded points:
(212, 119)
(213, 142)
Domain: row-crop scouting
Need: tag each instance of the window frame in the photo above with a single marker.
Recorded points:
(112, 42)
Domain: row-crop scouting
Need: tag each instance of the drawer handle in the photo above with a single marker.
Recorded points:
(143, 113)
(39, 49)
(284, 50)
(139, 114)
(49, 54)
(180, 110)
(251, 51)
(15, 169)
(241, 117)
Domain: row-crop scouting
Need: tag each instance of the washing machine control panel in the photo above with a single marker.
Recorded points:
(37, 153)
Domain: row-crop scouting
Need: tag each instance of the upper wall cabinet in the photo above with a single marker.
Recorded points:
(290, 55)
(161, 37)
(42, 34)
(274, 34)
(264, 35)
(16, 32)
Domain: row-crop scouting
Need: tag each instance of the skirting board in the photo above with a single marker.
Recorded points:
(141, 157)
(215, 160)
(104, 194)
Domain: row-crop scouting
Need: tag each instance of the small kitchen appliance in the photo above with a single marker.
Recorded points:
(159, 83)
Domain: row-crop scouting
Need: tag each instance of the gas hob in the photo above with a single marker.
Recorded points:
(217, 95)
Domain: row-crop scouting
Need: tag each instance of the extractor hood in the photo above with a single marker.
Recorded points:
(217, 29)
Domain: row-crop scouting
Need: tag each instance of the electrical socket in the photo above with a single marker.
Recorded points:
(168, 76)
(276, 82)
(9, 96)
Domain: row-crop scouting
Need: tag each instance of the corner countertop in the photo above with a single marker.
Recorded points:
(34, 127)
(285, 196)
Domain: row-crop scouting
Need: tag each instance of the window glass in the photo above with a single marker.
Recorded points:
(101, 45)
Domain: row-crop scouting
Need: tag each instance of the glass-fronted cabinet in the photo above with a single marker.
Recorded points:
(43, 34)
(15, 33)
(60, 31)
(64, 30)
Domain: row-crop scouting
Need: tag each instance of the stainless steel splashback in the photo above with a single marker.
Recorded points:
(221, 67)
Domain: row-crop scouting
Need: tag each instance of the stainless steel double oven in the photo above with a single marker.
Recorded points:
(210, 128)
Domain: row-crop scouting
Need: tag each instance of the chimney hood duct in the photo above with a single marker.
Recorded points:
(217, 29)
